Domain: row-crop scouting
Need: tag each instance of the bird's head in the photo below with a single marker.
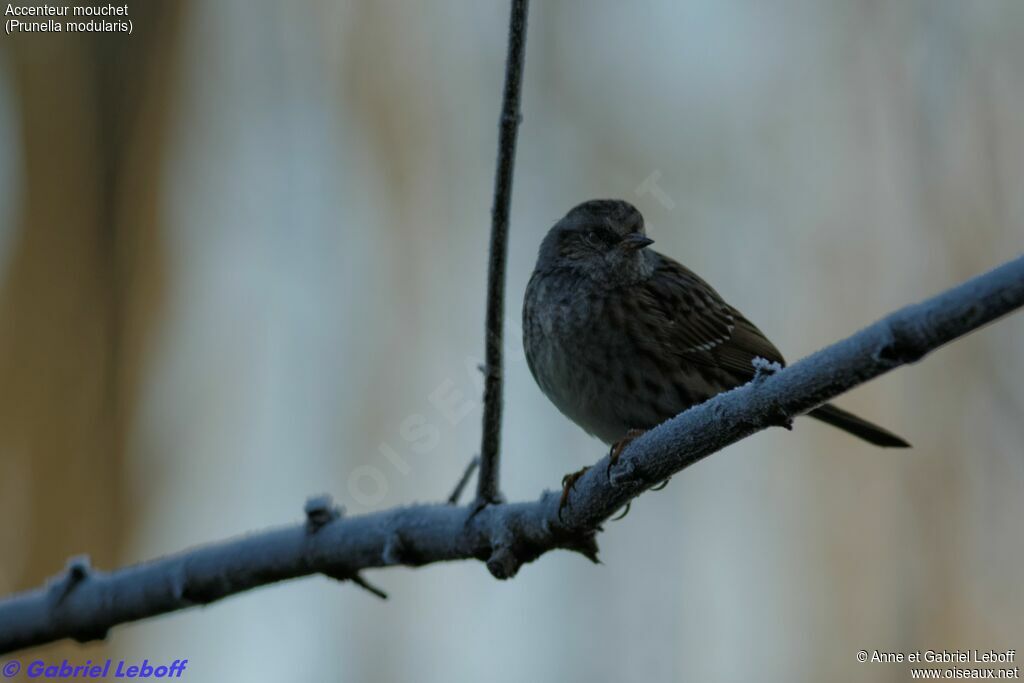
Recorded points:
(602, 239)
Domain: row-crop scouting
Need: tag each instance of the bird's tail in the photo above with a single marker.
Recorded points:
(848, 422)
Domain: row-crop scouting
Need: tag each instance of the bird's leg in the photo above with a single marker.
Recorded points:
(619, 446)
(568, 484)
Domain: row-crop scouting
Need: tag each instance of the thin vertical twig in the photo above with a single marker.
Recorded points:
(461, 486)
(488, 488)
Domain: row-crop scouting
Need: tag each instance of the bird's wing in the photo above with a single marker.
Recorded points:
(694, 323)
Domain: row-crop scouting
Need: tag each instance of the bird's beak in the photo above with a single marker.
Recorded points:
(635, 241)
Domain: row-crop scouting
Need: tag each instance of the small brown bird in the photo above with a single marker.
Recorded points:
(622, 338)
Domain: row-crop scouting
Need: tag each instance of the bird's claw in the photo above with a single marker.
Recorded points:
(619, 446)
(568, 484)
(625, 511)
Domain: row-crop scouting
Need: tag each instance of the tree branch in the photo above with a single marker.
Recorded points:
(83, 604)
(488, 487)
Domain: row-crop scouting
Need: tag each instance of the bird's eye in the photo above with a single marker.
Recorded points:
(593, 239)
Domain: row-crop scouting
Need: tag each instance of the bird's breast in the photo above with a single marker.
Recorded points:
(568, 354)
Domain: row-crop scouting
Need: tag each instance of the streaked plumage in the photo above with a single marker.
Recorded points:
(620, 337)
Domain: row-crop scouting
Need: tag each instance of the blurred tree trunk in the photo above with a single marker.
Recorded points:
(82, 287)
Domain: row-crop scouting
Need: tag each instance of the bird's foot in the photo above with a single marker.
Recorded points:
(568, 484)
(619, 446)
(661, 485)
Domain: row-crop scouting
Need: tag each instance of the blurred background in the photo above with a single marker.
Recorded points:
(242, 252)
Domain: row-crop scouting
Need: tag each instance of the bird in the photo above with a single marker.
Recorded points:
(622, 338)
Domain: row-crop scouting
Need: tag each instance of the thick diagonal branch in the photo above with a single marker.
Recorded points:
(488, 488)
(83, 603)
